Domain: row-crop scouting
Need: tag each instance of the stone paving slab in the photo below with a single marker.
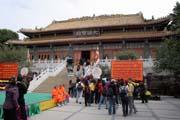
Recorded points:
(166, 109)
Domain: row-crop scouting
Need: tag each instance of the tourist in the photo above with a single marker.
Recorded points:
(87, 94)
(11, 105)
(111, 94)
(100, 89)
(74, 90)
(103, 96)
(70, 88)
(124, 98)
(117, 92)
(96, 91)
(22, 87)
(142, 93)
(78, 73)
(130, 96)
(79, 88)
(92, 90)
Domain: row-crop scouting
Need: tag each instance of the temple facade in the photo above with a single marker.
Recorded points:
(80, 38)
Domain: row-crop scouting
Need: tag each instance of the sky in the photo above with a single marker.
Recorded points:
(17, 14)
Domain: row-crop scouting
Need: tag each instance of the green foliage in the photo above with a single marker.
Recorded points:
(13, 54)
(175, 24)
(168, 57)
(6, 35)
(126, 55)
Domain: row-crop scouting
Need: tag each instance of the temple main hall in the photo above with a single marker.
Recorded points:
(80, 38)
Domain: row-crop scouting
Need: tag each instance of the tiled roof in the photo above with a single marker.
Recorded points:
(112, 36)
(92, 22)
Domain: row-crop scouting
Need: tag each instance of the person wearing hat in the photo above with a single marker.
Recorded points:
(11, 105)
(22, 91)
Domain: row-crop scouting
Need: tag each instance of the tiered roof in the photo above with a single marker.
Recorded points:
(105, 38)
(103, 21)
(94, 22)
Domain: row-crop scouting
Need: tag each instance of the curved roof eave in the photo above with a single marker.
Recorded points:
(31, 31)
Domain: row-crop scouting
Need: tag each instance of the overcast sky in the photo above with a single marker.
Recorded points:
(17, 14)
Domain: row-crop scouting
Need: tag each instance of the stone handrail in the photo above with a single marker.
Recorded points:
(45, 74)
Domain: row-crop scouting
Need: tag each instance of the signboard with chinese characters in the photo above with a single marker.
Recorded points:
(126, 69)
(86, 33)
(8, 70)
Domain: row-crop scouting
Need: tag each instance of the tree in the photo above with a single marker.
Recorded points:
(175, 24)
(10, 53)
(6, 35)
(13, 54)
(126, 55)
(167, 56)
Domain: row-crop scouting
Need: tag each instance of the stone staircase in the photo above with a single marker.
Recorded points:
(50, 82)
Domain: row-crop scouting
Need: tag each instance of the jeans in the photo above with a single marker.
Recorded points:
(86, 99)
(92, 96)
(112, 102)
(124, 101)
(131, 104)
(79, 96)
(144, 97)
(103, 99)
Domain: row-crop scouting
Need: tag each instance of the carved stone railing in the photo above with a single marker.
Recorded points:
(50, 71)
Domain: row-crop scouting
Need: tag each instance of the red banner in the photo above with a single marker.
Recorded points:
(127, 69)
(8, 70)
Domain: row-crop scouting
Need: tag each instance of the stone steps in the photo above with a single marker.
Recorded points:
(48, 85)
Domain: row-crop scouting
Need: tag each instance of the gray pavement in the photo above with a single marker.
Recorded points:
(166, 109)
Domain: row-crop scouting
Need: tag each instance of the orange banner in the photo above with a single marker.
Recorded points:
(8, 70)
(127, 69)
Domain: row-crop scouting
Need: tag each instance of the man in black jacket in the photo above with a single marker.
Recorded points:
(22, 91)
(111, 93)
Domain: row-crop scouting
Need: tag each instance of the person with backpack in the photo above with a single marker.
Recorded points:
(124, 98)
(79, 88)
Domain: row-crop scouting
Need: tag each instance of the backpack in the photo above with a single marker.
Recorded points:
(109, 92)
(123, 92)
(79, 87)
(136, 91)
(104, 91)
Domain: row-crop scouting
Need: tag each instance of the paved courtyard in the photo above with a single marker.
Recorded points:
(166, 109)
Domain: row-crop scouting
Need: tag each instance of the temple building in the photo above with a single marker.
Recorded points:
(79, 38)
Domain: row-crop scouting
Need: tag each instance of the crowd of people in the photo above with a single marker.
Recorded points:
(108, 92)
